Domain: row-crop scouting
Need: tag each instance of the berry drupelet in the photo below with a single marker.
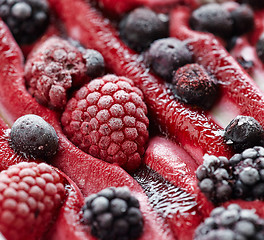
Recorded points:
(193, 85)
(113, 214)
(215, 179)
(32, 136)
(167, 55)
(243, 132)
(141, 27)
(27, 19)
(231, 223)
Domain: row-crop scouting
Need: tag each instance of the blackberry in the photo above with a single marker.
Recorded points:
(212, 18)
(248, 173)
(193, 85)
(26, 19)
(113, 214)
(243, 19)
(215, 178)
(243, 132)
(141, 27)
(32, 136)
(260, 48)
(231, 223)
(167, 55)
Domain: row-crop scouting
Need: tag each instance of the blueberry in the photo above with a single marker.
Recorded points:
(243, 132)
(212, 18)
(33, 136)
(141, 27)
(193, 85)
(260, 48)
(167, 55)
(243, 19)
(27, 19)
(254, 3)
(94, 63)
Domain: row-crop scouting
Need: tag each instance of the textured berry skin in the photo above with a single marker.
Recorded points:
(193, 85)
(231, 223)
(30, 195)
(113, 214)
(32, 136)
(243, 132)
(215, 178)
(27, 19)
(243, 19)
(248, 171)
(107, 119)
(52, 69)
(167, 55)
(212, 18)
(141, 27)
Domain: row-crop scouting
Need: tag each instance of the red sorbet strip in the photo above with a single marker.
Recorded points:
(197, 133)
(90, 174)
(236, 84)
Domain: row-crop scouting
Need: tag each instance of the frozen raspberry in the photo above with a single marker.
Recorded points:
(113, 214)
(30, 196)
(107, 119)
(52, 69)
(27, 19)
(248, 168)
(167, 55)
(193, 85)
(243, 132)
(243, 19)
(32, 136)
(215, 178)
(212, 18)
(141, 27)
(232, 223)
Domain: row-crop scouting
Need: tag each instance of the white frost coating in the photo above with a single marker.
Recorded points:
(164, 197)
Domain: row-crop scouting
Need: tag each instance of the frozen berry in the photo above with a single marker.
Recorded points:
(254, 3)
(94, 63)
(215, 178)
(32, 136)
(167, 55)
(52, 69)
(193, 85)
(248, 172)
(243, 132)
(107, 119)
(31, 195)
(243, 19)
(260, 48)
(141, 27)
(113, 214)
(212, 18)
(27, 19)
(231, 223)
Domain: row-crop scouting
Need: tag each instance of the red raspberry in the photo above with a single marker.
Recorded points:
(53, 68)
(30, 195)
(107, 119)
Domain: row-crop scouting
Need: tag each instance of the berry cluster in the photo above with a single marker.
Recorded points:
(231, 223)
(113, 214)
(240, 177)
(27, 19)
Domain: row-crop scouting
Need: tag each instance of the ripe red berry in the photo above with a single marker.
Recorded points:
(107, 119)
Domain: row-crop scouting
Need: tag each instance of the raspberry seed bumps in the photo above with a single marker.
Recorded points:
(30, 195)
(107, 119)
